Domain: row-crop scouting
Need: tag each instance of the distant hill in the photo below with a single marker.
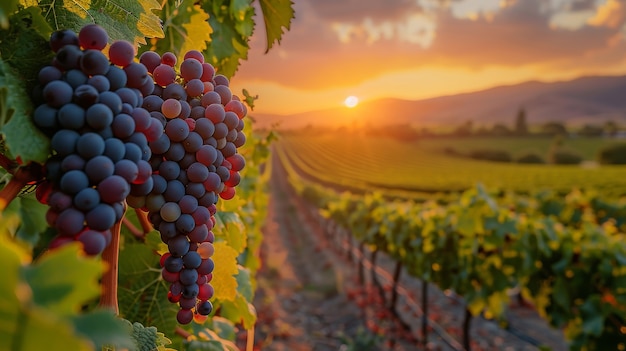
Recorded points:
(575, 102)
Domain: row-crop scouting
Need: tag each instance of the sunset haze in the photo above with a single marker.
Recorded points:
(426, 48)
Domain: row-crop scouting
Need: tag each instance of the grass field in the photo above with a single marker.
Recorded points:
(364, 163)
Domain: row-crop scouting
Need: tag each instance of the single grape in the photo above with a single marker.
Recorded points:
(169, 59)
(93, 242)
(101, 217)
(113, 189)
(94, 62)
(170, 211)
(61, 38)
(57, 93)
(150, 59)
(86, 199)
(121, 53)
(92, 36)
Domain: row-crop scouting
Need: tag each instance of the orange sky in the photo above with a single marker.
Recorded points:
(415, 49)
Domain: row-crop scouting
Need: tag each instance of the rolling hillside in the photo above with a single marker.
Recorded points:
(583, 100)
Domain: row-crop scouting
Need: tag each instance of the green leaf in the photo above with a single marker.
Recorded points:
(147, 338)
(33, 216)
(239, 311)
(23, 326)
(244, 283)
(25, 45)
(23, 52)
(186, 27)
(9, 304)
(130, 20)
(7, 7)
(593, 316)
(103, 328)
(64, 291)
(142, 292)
(214, 343)
(230, 227)
(39, 330)
(469, 223)
(229, 40)
(249, 99)
(243, 14)
(224, 328)
(277, 14)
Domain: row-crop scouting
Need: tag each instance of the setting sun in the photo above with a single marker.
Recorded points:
(351, 101)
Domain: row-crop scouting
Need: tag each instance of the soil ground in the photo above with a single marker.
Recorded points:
(309, 296)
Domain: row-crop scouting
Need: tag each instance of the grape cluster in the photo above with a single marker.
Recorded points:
(90, 107)
(194, 162)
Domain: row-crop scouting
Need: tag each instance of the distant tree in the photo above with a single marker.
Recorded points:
(500, 130)
(464, 129)
(590, 130)
(611, 128)
(530, 158)
(521, 125)
(554, 128)
(566, 157)
(491, 155)
(613, 155)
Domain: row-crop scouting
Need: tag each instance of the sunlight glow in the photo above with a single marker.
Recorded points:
(351, 101)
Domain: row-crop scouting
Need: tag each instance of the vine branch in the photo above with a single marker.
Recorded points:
(21, 176)
(110, 255)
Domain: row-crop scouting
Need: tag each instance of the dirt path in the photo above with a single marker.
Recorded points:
(308, 297)
(300, 299)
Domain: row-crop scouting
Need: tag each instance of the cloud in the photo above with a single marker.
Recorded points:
(336, 43)
(611, 14)
(356, 10)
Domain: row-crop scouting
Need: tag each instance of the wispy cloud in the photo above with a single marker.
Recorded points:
(342, 43)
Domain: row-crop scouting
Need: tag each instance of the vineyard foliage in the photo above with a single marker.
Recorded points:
(567, 255)
(410, 170)
(50, 298)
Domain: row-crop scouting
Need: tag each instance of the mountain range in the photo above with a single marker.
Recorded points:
(586, 100)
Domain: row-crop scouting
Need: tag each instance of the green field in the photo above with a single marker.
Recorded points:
(403, 169)
(588, 148)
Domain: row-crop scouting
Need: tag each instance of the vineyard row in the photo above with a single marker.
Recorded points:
(574, 273)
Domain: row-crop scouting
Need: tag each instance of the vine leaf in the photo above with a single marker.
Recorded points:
(224, 282)
(23, 52)
(187, 29)
(24, 325)
(239, 311)
(130, 20)
(142, 292)
(148, 338)
(7, 7)
(103, 329)
(277, 14)
(230, 227)
(64, 291)
(232, 26)
(26, 216)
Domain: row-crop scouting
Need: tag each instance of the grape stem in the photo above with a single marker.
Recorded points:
(7, 164)
(110, 255)
(142, 216)
(21, 176)
(136, 232)
(182, 332)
